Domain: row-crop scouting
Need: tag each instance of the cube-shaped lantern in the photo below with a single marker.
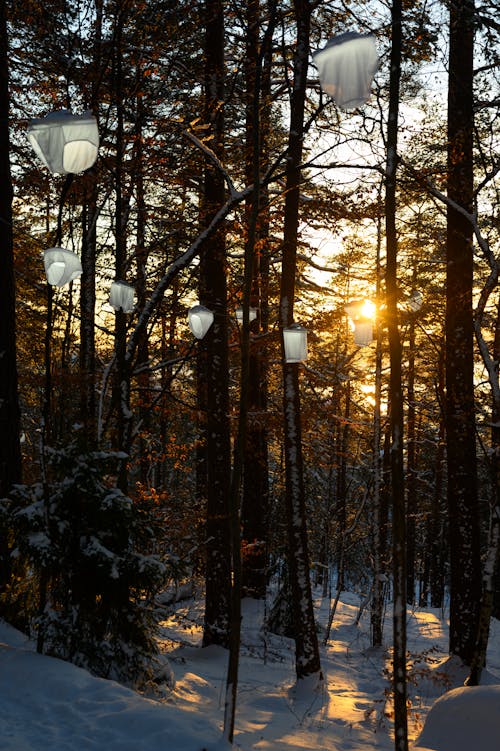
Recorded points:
(252, 314)
(363, 333)
(61, 266)
(346, 66)
(200, 319)
(361, 313)
(295, 343)
(121, 296)
(65, 142)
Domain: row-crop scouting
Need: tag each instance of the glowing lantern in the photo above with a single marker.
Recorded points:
(252, 314)
(415, 301)
(295, 343)
(65, 142)
(61, 266)
(361, 314)
(200, 319)
(121, 296)
(346, 66)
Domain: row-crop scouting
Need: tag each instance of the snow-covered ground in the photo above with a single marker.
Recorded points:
(48, 704)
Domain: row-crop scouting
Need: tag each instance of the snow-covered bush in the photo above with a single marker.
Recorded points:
(87, 551)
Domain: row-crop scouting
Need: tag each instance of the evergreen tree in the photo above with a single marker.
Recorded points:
(89, 550)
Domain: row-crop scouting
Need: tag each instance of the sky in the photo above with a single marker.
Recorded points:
(49, 704)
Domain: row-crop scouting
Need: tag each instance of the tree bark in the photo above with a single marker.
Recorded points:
(307, 660)
(255, 501)
(10, 450)
(396, 396)
(213, 294)
(465, 567)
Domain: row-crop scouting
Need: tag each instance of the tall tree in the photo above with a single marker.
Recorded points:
(463, 515)
(396, 392)
(10, 450)
(89, 248)
(307, 661)
(215, 373)
(255, 501)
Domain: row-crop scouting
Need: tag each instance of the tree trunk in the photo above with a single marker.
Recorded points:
(465, 568)
(255, 501)
(396, 397)
(307, 660)
(436, 526)
(492, 558)
(213, 294)
(411, 481)
(379, 518)
(10, 450)
(88, 400)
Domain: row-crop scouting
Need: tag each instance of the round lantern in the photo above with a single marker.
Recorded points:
(346, 66)
(61, 266)
(121, 296)
(65, 142)
(295, 343)
(200, 319)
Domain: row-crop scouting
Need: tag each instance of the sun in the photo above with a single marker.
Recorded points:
(368, 309)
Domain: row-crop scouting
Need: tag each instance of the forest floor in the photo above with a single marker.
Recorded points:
(48, 704)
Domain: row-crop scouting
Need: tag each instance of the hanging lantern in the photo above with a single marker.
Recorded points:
(361, 314)
(121, 296)
(415, 301)
(363, 333)
(65, 142)
(61, 266)
(200, 319)
(346, 66)
(295, 343)
(252, 314)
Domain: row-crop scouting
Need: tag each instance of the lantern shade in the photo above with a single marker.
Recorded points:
(361, 314)
(415, 301)
(200, 319)
(295, 343)
(121, 296)
(363, 333)
(346, 66)
(252, 314)
(61, 266)
(65, 142)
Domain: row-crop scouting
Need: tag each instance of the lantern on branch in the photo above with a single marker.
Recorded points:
(252, 314)
(346, 66)
(121, 296)
(361, 314)
(62, 266)
(295, 343)
(200, 319)
(64, 142)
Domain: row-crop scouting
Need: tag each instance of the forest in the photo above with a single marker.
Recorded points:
(147, 451)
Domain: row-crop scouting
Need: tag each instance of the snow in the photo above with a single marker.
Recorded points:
(49, 704)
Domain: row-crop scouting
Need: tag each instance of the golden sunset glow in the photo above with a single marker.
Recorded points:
(368, 309)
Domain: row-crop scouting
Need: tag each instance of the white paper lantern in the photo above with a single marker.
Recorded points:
(346, 66)
(363, 333)
(200, 319)
(361, 314)
(415, 301)
(252, 314)
(121, 296)
(61, 266)
(295, 343)
(65, 142)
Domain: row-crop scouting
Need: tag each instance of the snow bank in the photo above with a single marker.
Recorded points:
(51, 704)
(464, 718)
